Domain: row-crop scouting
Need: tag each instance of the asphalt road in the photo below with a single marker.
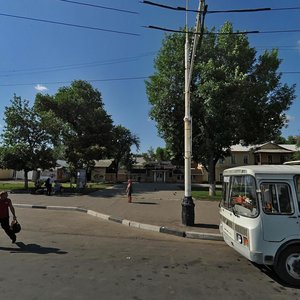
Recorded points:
(70, 255)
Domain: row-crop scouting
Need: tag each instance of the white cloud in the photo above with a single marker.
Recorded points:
(40, 88)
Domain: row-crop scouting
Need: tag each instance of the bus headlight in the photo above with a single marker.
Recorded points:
(239, 238)
(242, 240)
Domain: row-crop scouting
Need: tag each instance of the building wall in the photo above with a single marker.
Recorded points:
(6, 174)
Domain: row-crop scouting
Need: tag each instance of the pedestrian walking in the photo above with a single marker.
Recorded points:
(129, 190)
(6, 203)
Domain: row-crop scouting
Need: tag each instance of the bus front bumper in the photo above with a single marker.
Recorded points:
(253, 256)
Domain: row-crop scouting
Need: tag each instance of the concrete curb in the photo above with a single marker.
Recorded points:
(129, 223)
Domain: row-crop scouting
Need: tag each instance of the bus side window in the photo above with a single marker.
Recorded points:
(276, 198)
(267, 198)
(297, 181)
(284, 199)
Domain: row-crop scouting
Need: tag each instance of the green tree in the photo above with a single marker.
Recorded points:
(26, 144)
(280, 140)
(78, 122)
(292, 139)
(162, 154)
(296, 155)
(289, 140)
(149, 155)
(159, 154)
(122, 142)
(236, 97)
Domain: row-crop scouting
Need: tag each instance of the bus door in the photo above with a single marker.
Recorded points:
(227, 216)
(279, 213)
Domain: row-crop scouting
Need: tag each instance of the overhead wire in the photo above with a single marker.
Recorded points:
(224, 33)
(69, 81)
(181, 8)
(99, 6)
(104, 80)
(69, 24)
(74, 66)
(204, 33)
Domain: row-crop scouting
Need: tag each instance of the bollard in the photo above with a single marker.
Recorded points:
(188, 212)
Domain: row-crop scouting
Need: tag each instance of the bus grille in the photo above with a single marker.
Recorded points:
(240, 229)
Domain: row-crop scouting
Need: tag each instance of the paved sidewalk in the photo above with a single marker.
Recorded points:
(155, 207)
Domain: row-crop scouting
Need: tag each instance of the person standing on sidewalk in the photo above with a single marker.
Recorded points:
(6, 203)
(129, 190)
(48, 185)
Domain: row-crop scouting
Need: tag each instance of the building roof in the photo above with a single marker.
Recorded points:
(139, 161)
(240, 148)
(103, 163)
(282, 148)
(291, 147)
(61, 163)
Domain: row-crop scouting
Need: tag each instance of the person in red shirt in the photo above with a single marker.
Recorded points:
(6, 203)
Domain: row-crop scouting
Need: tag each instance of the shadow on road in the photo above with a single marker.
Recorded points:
(272, 275)
(32, 248)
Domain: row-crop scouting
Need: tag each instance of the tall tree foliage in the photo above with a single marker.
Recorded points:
(26, 144)
(122, 142)
(236, 96)
(78, 121)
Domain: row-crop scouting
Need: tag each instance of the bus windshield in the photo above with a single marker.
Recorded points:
(239, 195)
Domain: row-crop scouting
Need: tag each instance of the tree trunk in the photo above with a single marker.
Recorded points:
(211, 177)
(26, 179)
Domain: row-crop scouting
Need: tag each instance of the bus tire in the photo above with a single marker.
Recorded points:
(288, 265)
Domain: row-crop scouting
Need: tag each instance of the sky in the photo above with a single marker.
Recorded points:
(46, 44)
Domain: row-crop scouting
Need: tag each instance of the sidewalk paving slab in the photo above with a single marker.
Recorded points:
(155, 207)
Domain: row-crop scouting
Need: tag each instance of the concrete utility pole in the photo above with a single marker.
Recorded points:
(188, 212)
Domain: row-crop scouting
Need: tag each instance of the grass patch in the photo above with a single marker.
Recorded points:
(18, 186)
(11, 186)
(201, 193)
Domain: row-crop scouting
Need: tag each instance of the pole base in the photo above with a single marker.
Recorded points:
(188, 212)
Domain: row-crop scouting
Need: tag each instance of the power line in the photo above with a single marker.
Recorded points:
(68, 24)
(66, 82)
(104, 80)
(224, 33)
(100, 6)
(281, 31)
(180, 8)
(76, 66)
(191, 32)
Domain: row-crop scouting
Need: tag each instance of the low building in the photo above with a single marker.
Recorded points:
(265, 154)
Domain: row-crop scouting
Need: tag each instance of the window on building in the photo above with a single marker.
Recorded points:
(233, 160)
(270, 160)
(257, 159)
(246, 160)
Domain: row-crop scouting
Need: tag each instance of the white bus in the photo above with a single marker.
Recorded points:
(260, 216)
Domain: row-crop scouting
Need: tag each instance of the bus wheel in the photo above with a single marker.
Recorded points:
(288, 265)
